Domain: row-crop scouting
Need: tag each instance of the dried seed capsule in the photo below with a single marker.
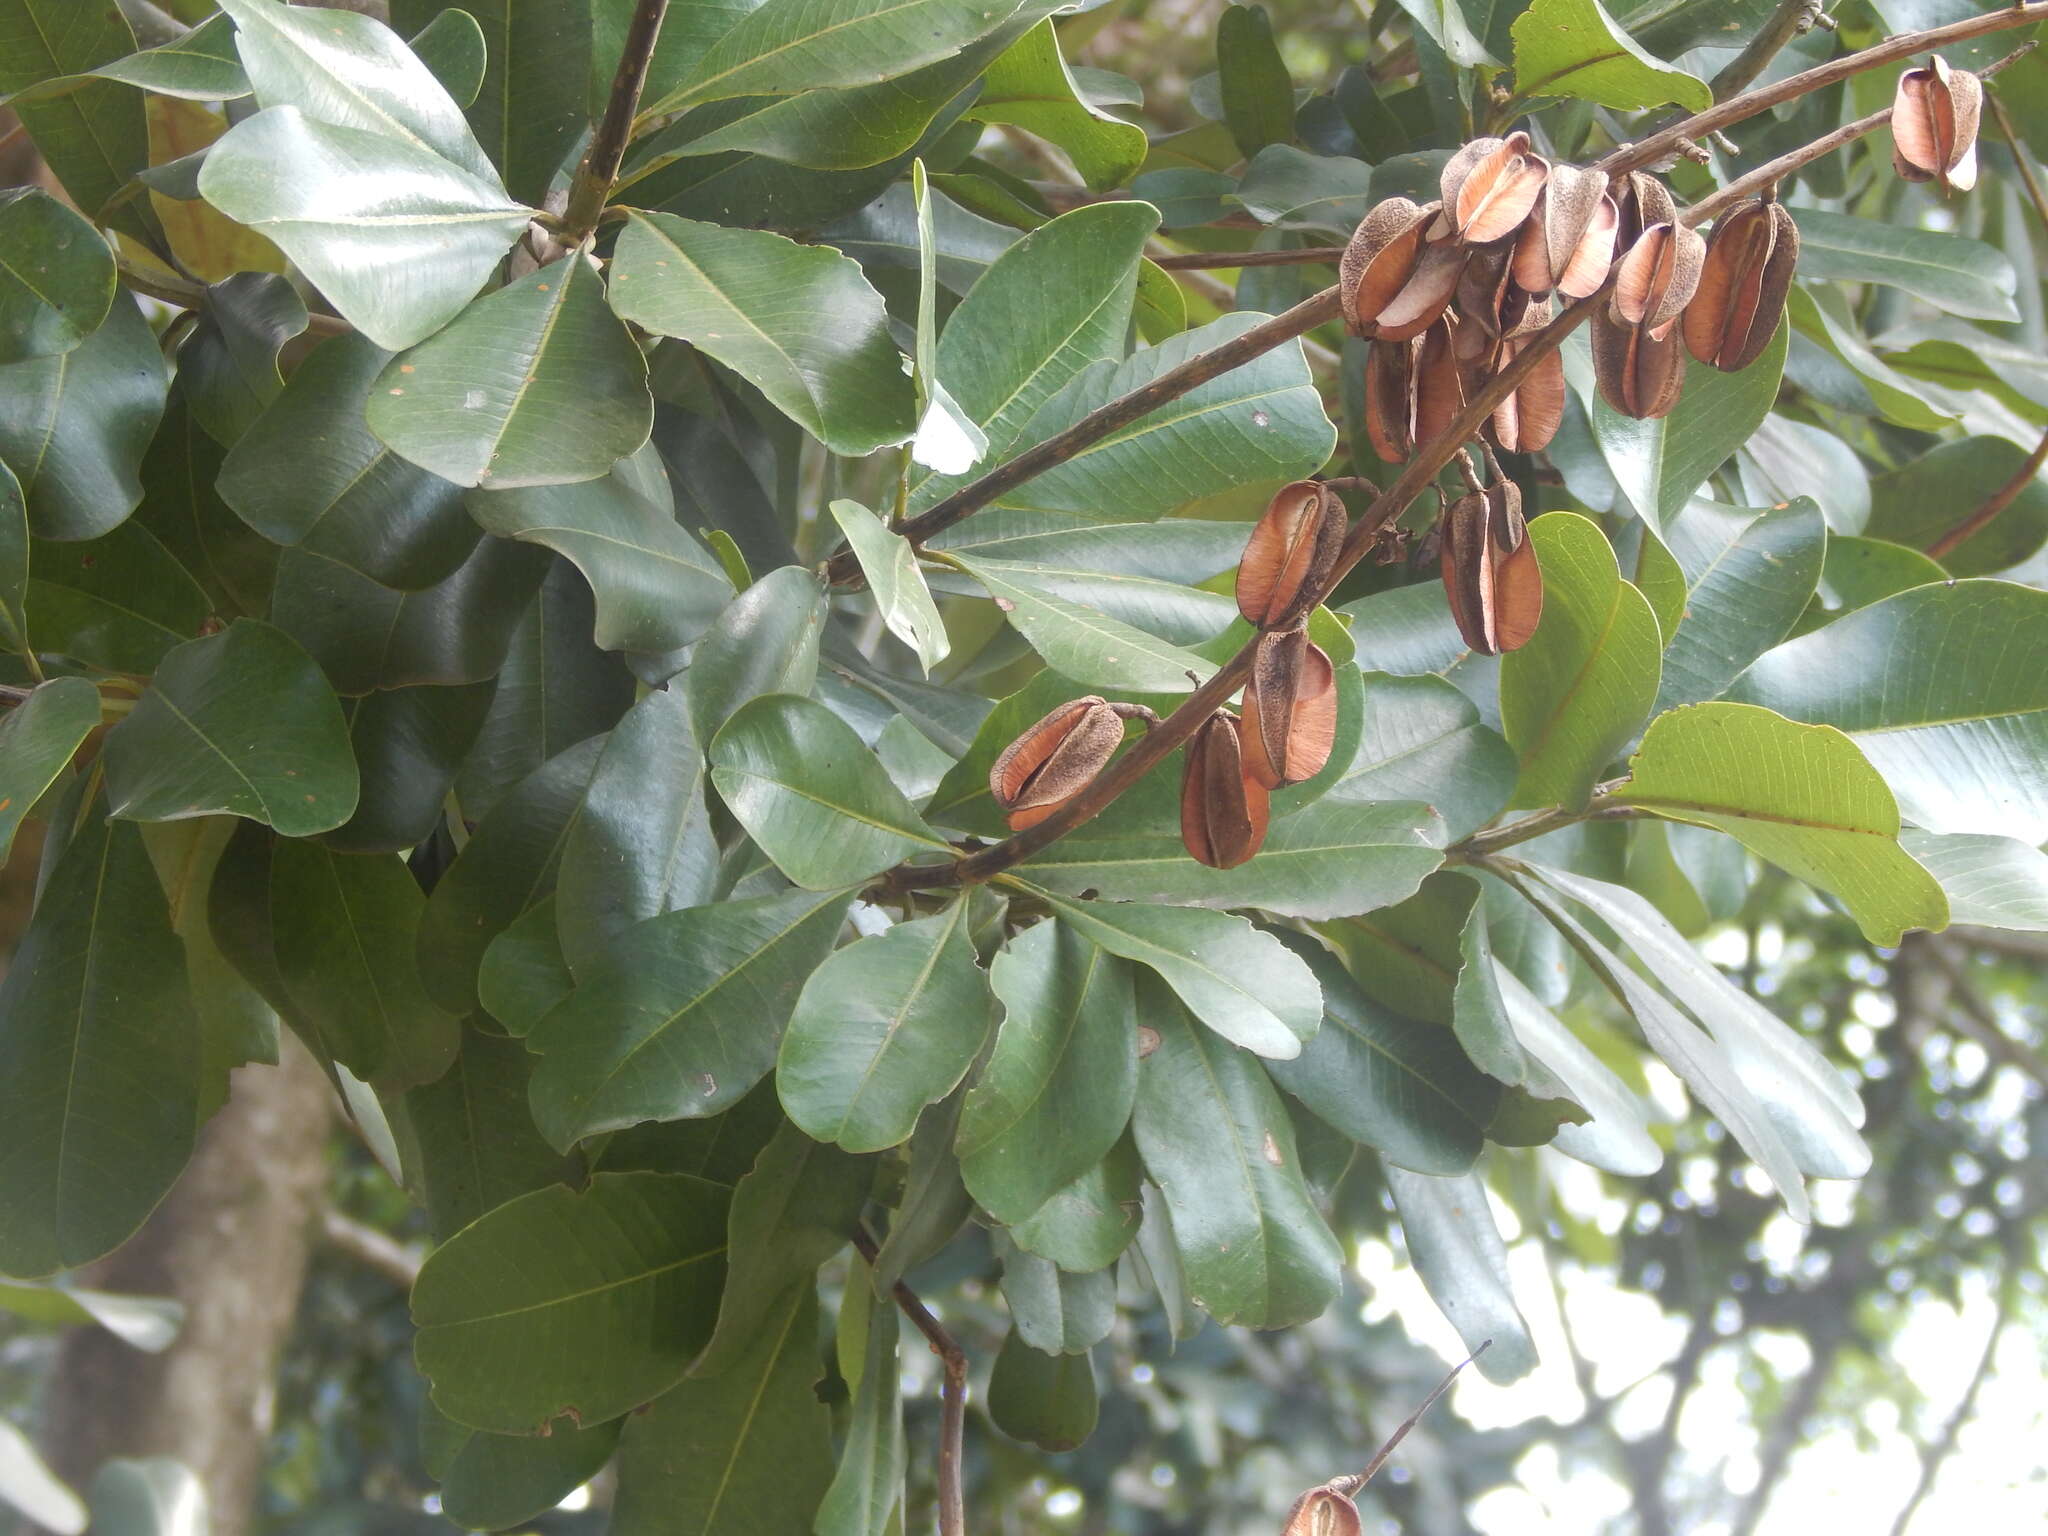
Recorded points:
(1658, 277)
(1380, 258)
(1743, 283)
(1490, 186)
(1640, 373)
(1439, 382)
(1489, 569)
(1427, 293)
(1222, 813)
(1323, 1512)
(1290, 710)
(1640, 202)
(1934, 125)
(1292, 549)
(1390, 399)
(1529, 418)
(1055, 759)
(1573, 222)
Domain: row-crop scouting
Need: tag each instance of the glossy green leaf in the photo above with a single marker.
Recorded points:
(1217, 1140)
(766, 641)
(1422, 741)
(1054, 1312)
(489, 1482)
(745, 1452)
(37, 739)
(934, 1204)
(1749, 576)
(1660, 465)
(408, 743)
(1031, 87)
(1448, 24)
(899, 589)
(799, 322)
(1824, 317)
(309, 473)
(812, 795)
(1407, 956)
(228, 368)
(1258, 96)
(794, 45)
(1616, 1137)
(682, 1018)
(1801, 796)
(1857, 572)
(1950, 270)
(535, 384)
(14, 554)
(1241, 983)
(523, 973)
(1288, 187)
(397, 238)
(1574, 48)
(1940, 688)
(202, 65)
(352, 71)
(1403, 1088)
(1090, 1222)
(74, 428)
(1457, 1250)
(240, 722)
(1044, 1400)
(94, 138)
(866, 1493)
(452, 46)
(183, 511)
(1084, 643)
(559, 1303)
(884, 1027)
(1575, 695)
(1056, 1091)
(28, 1484)
(343, 927)
(1994, 882)
(1920, 501)
(56, 276)
(99, 1063)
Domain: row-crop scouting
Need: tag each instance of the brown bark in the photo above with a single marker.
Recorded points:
(231, 1243)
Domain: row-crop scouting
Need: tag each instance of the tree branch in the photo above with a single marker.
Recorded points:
(1783, 1438)
(952, 1394)
(600, 168)
(1792, 18)
(370, 1248)
(1201, 261)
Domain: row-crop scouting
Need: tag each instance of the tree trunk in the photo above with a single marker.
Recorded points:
(231, 1243)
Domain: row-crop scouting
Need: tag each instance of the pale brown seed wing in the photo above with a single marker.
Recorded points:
(1439, 386)
(1593, 257)
(1913, 127)
(1539, 405)
(1015, 764)
(1459, 168)
(1322, 1512)
(1572, 196)
(1635, 282)
(1381, 253)
(1531, 265)
(1272, 554)
(1462, 558)
(1388, 380)
(1508, 202)
(1678, 276)
(1426, 294)
(1312, 730)
(1518, 597)
(1717, 319)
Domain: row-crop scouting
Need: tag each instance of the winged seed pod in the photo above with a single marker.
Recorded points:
(1323, 1512)
(1490, 186)
(1639, 373)
(1292, 549)
(1568, 242)
(1055, 759)
(1658, 277)
(1528, 419)
(1934, 125)
(1390, 399)
(1490, 571)
(1290, 710)
(1640, 202)
(1222, 813)
(1380, 258)
(1743, 284)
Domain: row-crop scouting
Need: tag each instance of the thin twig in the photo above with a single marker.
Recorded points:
(190, 295)
(1951, 1430)
(600, 168)
(1351, 1485)
(1480, 844)
(1993, 504)
(952, 1394)
(2020, 157)
(370, 1248)
(1202, 261)
(1792, 18)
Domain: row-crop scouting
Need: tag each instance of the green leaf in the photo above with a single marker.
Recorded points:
(1403, 1088)
(579, 1304)
(351, 71)
(142, 1322)
(1457, 1250)
(890, 565)
(523, 974)
(1617, 1137)
(1258, 96)
(489, 1482)
(1823, 316)
(1030, 87)
(343, 927)
(1218, 1142)
(506, 867)
(746, 1452)
(37, 739)
(74, 428)
(643, 843)
(1044, 1400)
(1941, 688)
(1924, 498)
(683, 1017)
(1995, 882)
(228, 368)
(1446, 23)
(397, 238)
(1057, 1089)
(202, 65)
(1948, 270)
(475, 1143)
(1801, 796)
(56, 276)
(146, 1496)
(182, 509)
(1241, 983)
(14, 555)
(795, 45)
(1573, 697)
(452, 45)
(1260, 424)
(95, 138)
(1054, 1312)
(867, 1489)
(1857, 572)
(1083, 643)
(812, 795)
(27, 1483)
(799, 322)
(934, 1205)
(1407, 956)
(99, 1063)
(120, 602)
(1749, 574)
(309, 473)
(766, 641)
(1088, 1224)
(408, 743)
(1574, 48)
(535, 384)
(1422, 741)
(1660, 465)
(239, 722)
(1287, 186)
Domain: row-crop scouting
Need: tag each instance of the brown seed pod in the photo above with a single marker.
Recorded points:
(1427, 293)
(1222, 813)
(1380, 258)
(1292, 549)
(1490, 186)
(1323, 1512)
(1639, 203)
(1489, 569)
(1290, 710)
(1572, 221)
(1439, 380)
(1390, 399)
(1658, 277)
(1639, 373)
(1529, 418)
(1055, 759)
(1743, 284)
(1934, 125)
